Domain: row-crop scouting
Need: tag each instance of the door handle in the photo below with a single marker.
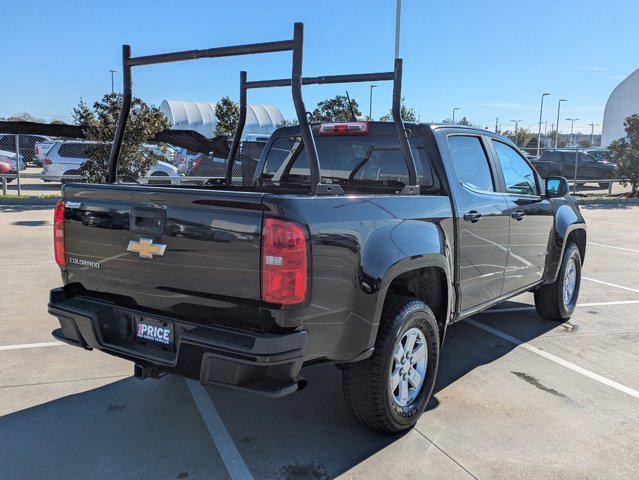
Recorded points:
(518, 215)
(472, 216)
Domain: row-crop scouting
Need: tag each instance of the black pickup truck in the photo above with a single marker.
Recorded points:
(362, 263)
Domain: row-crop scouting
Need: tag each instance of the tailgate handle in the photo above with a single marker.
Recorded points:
(147, 220)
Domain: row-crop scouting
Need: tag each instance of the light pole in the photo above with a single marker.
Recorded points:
(112, 86)
(454, 110)
(592, 133)
(370, 102)
(572, 124)
(398, 17)
(558, 110)
(516, 122)
(541, 113)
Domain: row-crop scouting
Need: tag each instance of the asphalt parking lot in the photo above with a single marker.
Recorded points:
(516, 397)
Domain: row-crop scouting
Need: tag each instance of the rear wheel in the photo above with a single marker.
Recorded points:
(389, 391)
(557, 300)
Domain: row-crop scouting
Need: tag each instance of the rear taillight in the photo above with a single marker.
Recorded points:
(58, 234)
(46, 161)
(197, 161)
(344, 128)
(284, 262)
(37, 150)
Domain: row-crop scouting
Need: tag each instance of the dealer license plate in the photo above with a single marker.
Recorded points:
(154, 332)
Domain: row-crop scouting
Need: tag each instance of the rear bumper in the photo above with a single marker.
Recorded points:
(268, 364)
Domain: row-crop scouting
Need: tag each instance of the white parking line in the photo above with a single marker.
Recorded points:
(611, 246)
(611, 284)
(592, 304)
(32, 345)
(556, 359)
(229, 453)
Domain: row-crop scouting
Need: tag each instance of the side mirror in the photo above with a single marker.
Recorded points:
(556, 187)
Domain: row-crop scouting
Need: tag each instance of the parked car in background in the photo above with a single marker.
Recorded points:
(66, 158)
(184, 159)
(8, 160)
(210, 166)
(600, 154)
(562, 163)
(8, 164)
(545, 168)
(40, 150)
(27, 146)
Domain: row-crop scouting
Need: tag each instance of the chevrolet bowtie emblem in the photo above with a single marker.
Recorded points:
(146, 248)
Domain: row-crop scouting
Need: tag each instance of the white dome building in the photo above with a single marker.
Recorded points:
(623, 101)
(200, 117)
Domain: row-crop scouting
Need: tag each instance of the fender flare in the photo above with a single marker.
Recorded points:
(436, 260)
(567, 220)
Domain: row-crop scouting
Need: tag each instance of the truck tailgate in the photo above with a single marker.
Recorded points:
(193, 254)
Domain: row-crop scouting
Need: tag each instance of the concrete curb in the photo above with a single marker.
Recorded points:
(29, 201)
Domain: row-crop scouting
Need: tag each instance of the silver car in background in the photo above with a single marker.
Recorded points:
(67, 157)
(8, 159)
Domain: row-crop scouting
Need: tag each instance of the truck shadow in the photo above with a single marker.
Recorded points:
(152, 429)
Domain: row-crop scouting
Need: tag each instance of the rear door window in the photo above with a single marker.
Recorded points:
(353, 159)
(471, 162)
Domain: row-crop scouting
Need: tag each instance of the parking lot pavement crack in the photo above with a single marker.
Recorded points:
(537, 384)
(445, 453)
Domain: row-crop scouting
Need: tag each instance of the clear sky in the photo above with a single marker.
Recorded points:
(490, 58)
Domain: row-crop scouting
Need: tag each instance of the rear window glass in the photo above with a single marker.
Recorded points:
(73, 150)
(354, 159)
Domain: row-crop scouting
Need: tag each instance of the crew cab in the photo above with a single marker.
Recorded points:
(356, 244)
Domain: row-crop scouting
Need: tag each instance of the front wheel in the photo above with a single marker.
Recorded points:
(557, 301)
(389, 391)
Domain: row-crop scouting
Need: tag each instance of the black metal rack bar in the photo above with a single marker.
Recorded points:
(295, 82)
(128, 62)
(316, 186)
(231, 51)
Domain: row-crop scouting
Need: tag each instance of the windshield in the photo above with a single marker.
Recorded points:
(372, 159)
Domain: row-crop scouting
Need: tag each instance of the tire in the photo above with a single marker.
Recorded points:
(549, 299)
(367, 384)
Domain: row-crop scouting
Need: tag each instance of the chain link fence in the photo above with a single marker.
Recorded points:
(36, 165)
(44, 164)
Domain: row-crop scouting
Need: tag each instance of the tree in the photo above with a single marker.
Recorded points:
(335, 110)
(227, 113)
(464, 121)
(562, 140)
(286, 123)
(583, 143)
(99, 124)
(521, 138)
(408, 114)
(625, 153)
(24, 117)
